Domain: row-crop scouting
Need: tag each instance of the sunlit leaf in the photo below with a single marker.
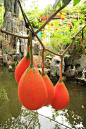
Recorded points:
(76, 2)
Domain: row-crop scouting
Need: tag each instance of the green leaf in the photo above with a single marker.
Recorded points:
(76, 2)
(65, 2)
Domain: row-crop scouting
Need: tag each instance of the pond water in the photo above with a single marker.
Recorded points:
(14, 116)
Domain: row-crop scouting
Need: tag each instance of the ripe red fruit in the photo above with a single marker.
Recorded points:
(62, 18)
(32, 91)
(70, 25)
(61, 98)
(44, 18)
(51, 24)
(56, 29)
(50, 90)
(58, 15)
(21, 67)
(47, 15)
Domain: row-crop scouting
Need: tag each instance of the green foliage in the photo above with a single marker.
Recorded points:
(62, 30)
(3, 96)
(6, 51)
(79, 8)
(65, 2)
(1, 13)
(16, 64)
(76, 2)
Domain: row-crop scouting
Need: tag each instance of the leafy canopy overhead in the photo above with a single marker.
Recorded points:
(65, 2)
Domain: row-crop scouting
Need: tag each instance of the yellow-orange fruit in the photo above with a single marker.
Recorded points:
(61, 98)
(50, 90)
(32, 91)
(21, 67)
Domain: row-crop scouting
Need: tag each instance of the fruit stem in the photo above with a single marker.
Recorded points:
(28, 49)
(61, 68)
(42, 62)
(28, 46)
(31, 54)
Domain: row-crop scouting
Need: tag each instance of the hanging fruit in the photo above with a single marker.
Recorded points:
(61, 98)
(50, 89)
(22, 66)
(48, 83)
(32, 91)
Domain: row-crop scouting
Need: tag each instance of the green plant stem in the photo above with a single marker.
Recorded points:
(31, 54)
(28, 49)
(28, 46)
(42, 62)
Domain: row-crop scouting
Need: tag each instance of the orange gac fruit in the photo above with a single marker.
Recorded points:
(61, 98)
(32, 91)
(21, 67)
(50, 90)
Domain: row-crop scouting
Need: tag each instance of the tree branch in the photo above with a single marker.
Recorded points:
(73, 38)
(15, 35)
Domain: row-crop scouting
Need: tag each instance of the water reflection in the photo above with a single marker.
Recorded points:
(14, 116)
